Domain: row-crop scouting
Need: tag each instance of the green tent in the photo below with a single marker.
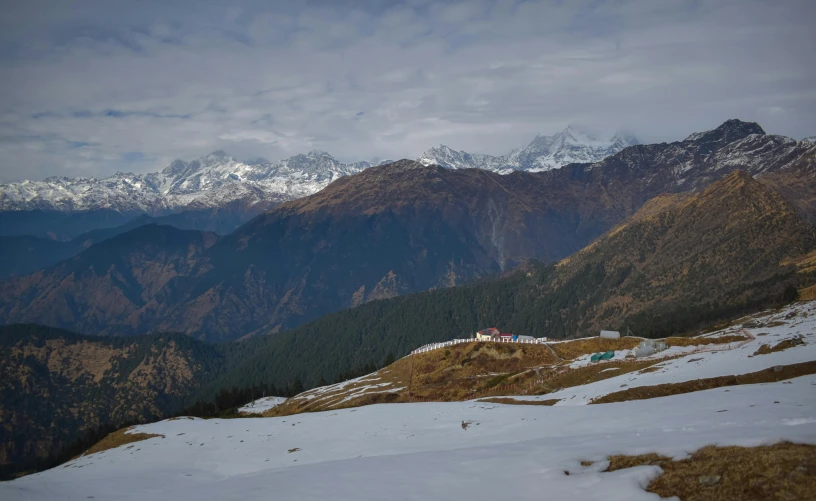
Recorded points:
(602, 356)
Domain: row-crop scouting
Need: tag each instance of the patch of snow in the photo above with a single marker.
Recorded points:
(261, 405)
(210, 181)
(572, 145)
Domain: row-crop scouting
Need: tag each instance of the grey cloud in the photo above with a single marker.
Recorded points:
(275, 79)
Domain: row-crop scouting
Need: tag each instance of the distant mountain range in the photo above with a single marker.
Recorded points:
(386, 231)
(572, 145)
(214, 180)
(244, 189)
(217, 179)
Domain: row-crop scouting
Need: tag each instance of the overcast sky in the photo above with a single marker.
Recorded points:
(92, 87)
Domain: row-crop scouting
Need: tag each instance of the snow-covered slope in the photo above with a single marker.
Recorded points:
(572, 145)
(421, 451)
(210, 181)
(692, 362)
(261, 405)
(461, 450)
(810, 139)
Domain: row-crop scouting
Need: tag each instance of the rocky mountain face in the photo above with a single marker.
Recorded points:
(387, 231)
(56, 386)
(572, 145)
(214, 180)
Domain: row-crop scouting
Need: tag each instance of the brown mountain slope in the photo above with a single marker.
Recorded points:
(797, 184)
(722, 246)
(106, 283)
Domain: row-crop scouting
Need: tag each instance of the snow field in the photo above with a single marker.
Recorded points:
(421, 451)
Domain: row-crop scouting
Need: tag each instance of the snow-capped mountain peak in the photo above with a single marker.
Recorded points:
(209, 181)
(575, 143)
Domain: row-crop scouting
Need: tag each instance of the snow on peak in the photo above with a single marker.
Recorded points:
(810, 139)
(575, 143)
(730, 130)
(210, 181)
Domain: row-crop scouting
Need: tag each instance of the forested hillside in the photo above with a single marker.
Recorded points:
(680, 263)
(56, 386)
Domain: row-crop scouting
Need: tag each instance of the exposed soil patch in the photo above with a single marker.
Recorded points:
(703, 341)
(513, 401)
(780, 346)
(119, 437)
(781, 471)
(772, 375)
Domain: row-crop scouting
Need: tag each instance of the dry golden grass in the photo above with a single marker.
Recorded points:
(664, 390)
(783, 471)
(780, 346)
(454, 373)
(650, 369)
(117, 438)
(465, 369)
(513, 401)
(702, 341)
(570, 350)
(808, 293)
(470, 370)
(804, 264)
(590, 374)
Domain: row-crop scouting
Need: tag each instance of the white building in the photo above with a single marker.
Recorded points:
(650, 347)
(610, 334)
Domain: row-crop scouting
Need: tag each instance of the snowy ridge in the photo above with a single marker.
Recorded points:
(810, 139)
(461, 450)
(261, 405)
(210, 181)
(572, 145)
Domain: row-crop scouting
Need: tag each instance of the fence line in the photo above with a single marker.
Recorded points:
(444, 344)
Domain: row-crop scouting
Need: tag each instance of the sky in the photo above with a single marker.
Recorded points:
(91, 87)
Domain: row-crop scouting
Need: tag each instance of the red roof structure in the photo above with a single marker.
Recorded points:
(490, 331)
